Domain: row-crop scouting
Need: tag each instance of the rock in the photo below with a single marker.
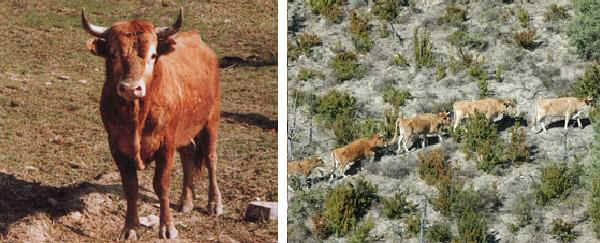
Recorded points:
(64, 77)
(149, 220)
(75, 216)
(258, 211)
(83, 81)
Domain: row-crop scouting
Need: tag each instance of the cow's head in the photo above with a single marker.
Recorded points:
(509, 105)
(378, 140)
(445, 116)
(130, 48)
(588, 101)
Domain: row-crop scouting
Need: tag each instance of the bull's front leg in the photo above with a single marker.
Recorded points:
(576, 116)
(566, 121)
(161, 188)
(128, 172)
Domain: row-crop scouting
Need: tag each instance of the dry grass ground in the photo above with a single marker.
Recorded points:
(57, 177)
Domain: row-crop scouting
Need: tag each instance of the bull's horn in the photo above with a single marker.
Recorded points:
(165, 32)
(94, 30)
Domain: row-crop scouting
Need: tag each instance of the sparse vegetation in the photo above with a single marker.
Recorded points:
(359, 31)
(480, 138)
(517, 149)
(563, 231)
(303, 45)
(398, 206)
(523, 209)
(462, 38)
(555, 12)
(330, 9)
(523, 17)
(413, 224)
(423, 46)
(361, 232)
(387, 10)
(433, 167)
(593, 174)
(526, 39)
(584, 29)
(472, 227)
(347, 203)
(396, 97)
(345, 66)
(556, 182)
(399, 60)
(440, 72)
(439, 232)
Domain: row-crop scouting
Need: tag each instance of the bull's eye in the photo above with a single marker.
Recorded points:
(153, 56)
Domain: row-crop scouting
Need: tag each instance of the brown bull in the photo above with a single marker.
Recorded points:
(161, 94)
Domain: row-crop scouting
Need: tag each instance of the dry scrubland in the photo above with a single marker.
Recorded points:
(352, 63)
(58, 180)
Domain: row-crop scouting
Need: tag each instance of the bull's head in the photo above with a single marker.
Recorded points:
(588, 101)
(445, 116)
(130, 48)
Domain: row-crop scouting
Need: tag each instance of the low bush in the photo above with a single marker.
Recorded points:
(359, 31)
(588, 85)
(523, 17)
(306, 74)
(526, 39)
(555, 12)
(322, 229)
(423, 48)
(517, 150)
(584, 29)
(453, 16)
(398, 206)
(562, 231)
(413, 224)
(361, 233)
(399, 60)
(440, 72)
(439, 232)
(472, 227)
(432, 167)
(387, 10)
(395, 97)
(593, 178)
(523, 209)
(462, 38)
(480, 139)
(305, 203)
(557, 181)
(345, 66)
(347, 203)
(330, 9)
(329, 107)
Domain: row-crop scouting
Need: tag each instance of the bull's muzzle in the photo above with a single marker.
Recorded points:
(131, 90)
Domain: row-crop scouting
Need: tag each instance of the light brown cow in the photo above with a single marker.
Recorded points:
(493, 109)
(359, 148)
(161, 94)
(421, 125)
(304, 166)
(567, 107)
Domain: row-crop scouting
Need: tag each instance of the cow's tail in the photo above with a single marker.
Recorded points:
(396, 124)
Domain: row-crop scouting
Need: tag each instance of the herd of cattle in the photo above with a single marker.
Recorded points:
(429, 124)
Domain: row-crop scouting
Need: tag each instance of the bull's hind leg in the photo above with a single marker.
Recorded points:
(192, 167)
(208, 143)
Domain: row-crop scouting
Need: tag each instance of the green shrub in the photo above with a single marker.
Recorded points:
(480, 138)
(482, 84)
(300, 98)
(478, 72)
(562, 231)
(498, 73)
(516, 149)
(345, 66)
(588, 85)
(433, 167)
(387, 10)
(388, 128)
(593, 174)
(303, 44)
(594, 205)
(462, 38)
(584, 29)
(305, 203)
(523, 17)
(397, 206)
(423, 47)
(555, 12)
(329, 107)
(439, 232)
(359, 31)
(330, 9)
(347, 203)
(399, 60)
(361, 232)
(557, 181)
(396, 97)
(413, 225)
(322, 229)
(526, 39)
(447, 190)
(472, 227)
(305, 74)
(440, 72)
(453, 16)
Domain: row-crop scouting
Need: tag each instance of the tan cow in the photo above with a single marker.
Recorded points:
(567, 107)
(304, 166)
(492, 109)
(421, 125)
(358, 149)
(161, 92)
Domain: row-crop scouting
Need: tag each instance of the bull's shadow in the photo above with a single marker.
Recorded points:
(508, 122)
(560, 123)
(23, 198)
(253, 119)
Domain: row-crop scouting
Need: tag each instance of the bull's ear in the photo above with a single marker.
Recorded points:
(165, 46)
(98, 47)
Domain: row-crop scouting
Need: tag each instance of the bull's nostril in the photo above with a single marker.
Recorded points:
(139, 88)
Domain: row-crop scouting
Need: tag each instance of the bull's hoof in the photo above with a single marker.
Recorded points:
(186, 207)
(215, 209)
(128, 234)
(167, 232)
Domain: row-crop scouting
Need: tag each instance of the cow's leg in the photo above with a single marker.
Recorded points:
(566, 121)
(215, 204)
(400, 142)
(161, 188)
(576, 116)
(130, 187)
(191, 168)
(440, 137)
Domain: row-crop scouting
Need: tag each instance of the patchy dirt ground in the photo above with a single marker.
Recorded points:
(58, 180)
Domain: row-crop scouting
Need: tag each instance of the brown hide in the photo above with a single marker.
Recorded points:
(359, 148)
(564, 107)
(490, 107)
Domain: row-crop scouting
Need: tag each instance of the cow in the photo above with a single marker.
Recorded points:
(303, 167)
(161, 94)
(358, 149)
(492, 109)
(567, 107)
(421, 125)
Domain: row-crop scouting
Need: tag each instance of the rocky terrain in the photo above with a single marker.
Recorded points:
(546, 68)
